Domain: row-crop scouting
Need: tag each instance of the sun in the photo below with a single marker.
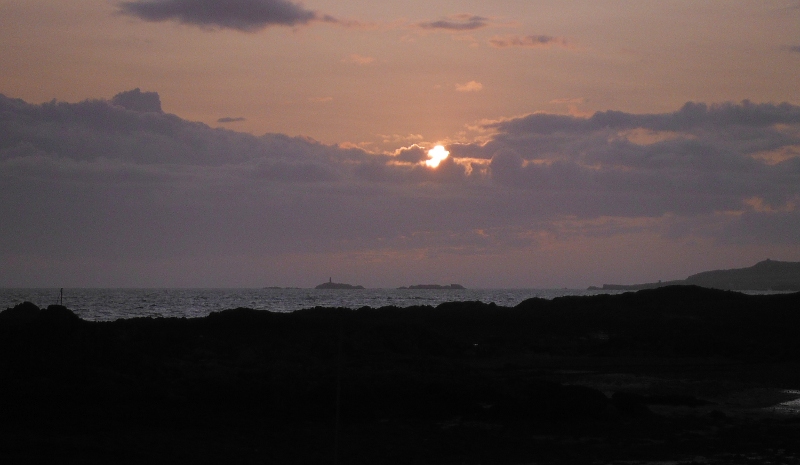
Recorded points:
(436, 155)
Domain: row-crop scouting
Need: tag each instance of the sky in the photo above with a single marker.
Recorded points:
(250, 143)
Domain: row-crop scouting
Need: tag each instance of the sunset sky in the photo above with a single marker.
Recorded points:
(278, 143)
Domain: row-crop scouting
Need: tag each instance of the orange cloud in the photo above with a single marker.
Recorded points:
(471, 86)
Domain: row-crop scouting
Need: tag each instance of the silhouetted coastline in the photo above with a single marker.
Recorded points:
(673, 373)
(433, 286)
(767, 275)
(332, 285)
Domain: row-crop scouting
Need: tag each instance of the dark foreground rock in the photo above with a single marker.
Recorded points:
(666, 374)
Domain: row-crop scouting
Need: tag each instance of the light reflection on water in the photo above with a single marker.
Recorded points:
(111, 304)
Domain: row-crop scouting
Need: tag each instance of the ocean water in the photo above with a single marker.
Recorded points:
(112, 304)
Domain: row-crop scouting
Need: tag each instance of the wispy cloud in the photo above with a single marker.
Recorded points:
(397, 138)
(573, 100)
(462, 22)
(357, 59)
(230, 119)
(530, 41)
(471, 86)
(242, 15)
(572, 105)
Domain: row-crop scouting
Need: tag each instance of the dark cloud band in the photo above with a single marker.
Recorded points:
(242, 15)
(458, 23)
(531, 41)
(123, 181)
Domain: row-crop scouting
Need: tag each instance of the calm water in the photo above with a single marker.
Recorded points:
(111, 304)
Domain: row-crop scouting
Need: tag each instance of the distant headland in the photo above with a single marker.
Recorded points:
(767, 275)
(433, 286)
(332, 285)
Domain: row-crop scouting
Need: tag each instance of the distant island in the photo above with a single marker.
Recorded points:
(433, 286)
(332, 285)
(767, 275)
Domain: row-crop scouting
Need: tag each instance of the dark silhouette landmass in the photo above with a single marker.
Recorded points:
(433, 286)
(767, 275)
(678, 374)
(333, 285)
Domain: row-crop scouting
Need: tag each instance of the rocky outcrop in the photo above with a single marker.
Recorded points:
(24, 311)
(464, 382)
(28, 312)
(332, 285)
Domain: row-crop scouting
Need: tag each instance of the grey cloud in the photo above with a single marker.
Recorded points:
(283, 171)
(229, 119)
(457, 23)
(530, 41)
(413, 154)
(774, 228)
(97, 129)
(136, 100)
(692, 116)
(701, 159)
(242, 15)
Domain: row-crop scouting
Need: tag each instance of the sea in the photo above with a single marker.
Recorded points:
(112, 304)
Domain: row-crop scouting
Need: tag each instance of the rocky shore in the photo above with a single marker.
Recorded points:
(683, 374)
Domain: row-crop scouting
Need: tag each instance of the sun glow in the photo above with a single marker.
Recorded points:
(436, 155)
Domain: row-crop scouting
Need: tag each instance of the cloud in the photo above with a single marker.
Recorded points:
(698, 160)
(572, 105)
(561, 101)
(413, 154)
(531, 41)
(793, 48)
(229, 119)
(471, 86)
(457, 23)
(320, 99)
(397, 138)
(93, 190)
(358, 59)
(242, 15)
